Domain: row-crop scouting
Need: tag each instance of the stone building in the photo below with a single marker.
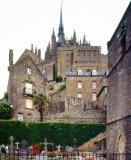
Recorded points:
(32, 74)
(25, 80)
(119, 87)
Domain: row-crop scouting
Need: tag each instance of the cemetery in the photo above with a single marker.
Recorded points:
(20, 140)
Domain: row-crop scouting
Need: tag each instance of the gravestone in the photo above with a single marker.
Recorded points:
(23, 150)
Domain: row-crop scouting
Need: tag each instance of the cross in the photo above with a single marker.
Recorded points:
(45, 144)
(17, 145)
(74, 143)
(11, 140)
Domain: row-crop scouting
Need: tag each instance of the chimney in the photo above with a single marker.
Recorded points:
(39, 53)
(10, 57)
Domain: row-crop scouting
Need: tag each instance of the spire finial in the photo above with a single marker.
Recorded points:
(74, 37)
(61, 28)
(84, 39)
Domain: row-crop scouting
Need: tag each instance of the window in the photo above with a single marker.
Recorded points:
(79, 95)
(29, 103)
(28, 88)
(28, 70)
(94, 72)
(79, 85)
(93, 96)
(20, 116)
(94, 85)
(79, 72)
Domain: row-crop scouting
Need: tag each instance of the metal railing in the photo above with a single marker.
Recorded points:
(65, 156)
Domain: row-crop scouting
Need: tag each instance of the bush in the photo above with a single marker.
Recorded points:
(5, 110)
(58, 79)
(56, 133)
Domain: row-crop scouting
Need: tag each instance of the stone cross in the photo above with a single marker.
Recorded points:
(45, 144)
(17, 145)
(11, 140)
(74, 143)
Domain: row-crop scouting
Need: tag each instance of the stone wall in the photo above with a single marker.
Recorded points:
(119, 87)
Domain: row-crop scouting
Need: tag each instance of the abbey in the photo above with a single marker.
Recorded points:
(79, 63)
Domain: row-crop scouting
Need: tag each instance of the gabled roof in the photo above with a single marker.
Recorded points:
(27, 52)
(32, 56)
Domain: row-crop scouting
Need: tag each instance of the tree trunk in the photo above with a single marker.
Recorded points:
(41, 113)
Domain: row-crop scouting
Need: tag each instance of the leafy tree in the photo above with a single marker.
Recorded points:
(40, 101)
(5, 110)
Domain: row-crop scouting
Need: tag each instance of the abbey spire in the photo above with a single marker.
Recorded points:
(61, 28)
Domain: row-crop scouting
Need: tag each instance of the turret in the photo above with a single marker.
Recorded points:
(47, 52)
(74, 37)
(84, 39)
(53, 43)
(32, 49)
(10, 57)
(35, 50)
(39, 53)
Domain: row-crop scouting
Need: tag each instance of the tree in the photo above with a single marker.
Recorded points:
(40, 101)
(5, 110)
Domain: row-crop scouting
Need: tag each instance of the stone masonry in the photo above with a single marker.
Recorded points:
(119, 87)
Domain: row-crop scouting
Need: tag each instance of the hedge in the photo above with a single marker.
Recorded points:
(57, 133)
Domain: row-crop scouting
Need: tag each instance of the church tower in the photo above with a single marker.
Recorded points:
(61, 35)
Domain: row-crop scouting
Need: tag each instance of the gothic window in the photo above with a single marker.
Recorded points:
(28, 70)
(94, 85)
(79, 85)
(29, 103)
(93, 96)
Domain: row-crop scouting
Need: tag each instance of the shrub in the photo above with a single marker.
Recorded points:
(56, 133)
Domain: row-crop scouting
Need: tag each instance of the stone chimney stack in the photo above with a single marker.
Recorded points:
(32, 49)
(10, 57)
(39, 53)
(35, 50)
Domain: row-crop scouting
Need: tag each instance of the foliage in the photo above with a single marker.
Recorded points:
(5, 110)
(62, 87)
(39, 100)
(58, 79)
(56, 133)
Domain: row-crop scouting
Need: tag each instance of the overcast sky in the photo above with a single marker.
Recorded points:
(23, 22)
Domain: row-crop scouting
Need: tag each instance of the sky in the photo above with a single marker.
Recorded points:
(23, 22)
